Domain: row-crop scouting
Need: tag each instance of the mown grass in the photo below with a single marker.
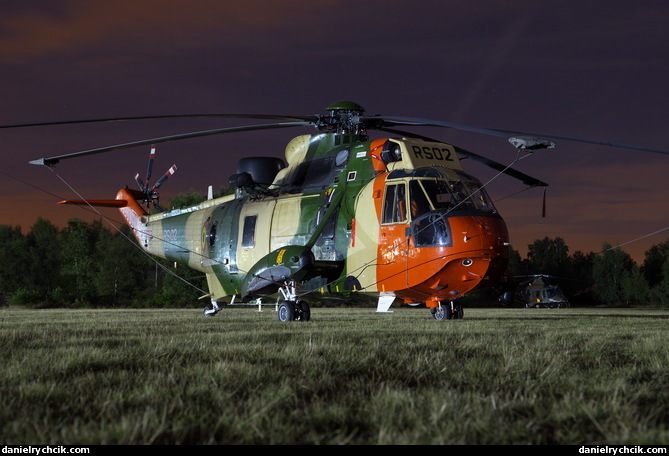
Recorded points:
(349, 376)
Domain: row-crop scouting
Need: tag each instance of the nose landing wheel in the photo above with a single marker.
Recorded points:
(450, 311)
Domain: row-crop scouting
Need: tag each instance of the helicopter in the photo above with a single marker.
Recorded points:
(536, 291)
(396, 217)
(539, 293)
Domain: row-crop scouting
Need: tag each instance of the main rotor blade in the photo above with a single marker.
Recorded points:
(415, 121)
(50, 161)
(159, 117)
(140, 182)
(527, 180)
(587, 141)
(149, 168)
(418, 122)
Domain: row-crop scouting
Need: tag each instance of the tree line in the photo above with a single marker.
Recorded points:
(87, 264)
(611, 277)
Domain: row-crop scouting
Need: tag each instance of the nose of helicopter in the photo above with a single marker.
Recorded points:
(481, 253)
(478, 257)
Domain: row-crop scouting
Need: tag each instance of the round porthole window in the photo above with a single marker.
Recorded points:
(341, 158)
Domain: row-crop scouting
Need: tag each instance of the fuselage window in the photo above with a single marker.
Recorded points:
(394, 204)
(211, 237)
(313, 175)
(249, 233)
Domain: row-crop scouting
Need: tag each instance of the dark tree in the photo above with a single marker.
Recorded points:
(78, 261)
(548, 256)
(14, 259)
(616, 278)
(654, 261)
(44, 248)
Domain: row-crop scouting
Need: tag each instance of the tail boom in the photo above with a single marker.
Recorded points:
(134, 214)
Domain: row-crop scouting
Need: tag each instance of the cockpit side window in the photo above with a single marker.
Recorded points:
(394, 204)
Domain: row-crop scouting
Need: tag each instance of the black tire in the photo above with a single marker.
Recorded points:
(459, 312)
(286, 311)
(303, 312)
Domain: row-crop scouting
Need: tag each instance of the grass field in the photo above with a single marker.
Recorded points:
(348, 376)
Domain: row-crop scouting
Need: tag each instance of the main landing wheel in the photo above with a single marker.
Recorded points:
(294, 311)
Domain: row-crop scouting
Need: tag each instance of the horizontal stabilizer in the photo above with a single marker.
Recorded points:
(101, 203)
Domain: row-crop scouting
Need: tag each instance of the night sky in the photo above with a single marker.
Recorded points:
(588, 69)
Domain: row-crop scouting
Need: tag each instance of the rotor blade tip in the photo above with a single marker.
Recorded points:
(43, 161)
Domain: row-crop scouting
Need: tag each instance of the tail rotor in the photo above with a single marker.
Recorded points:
(151, 196)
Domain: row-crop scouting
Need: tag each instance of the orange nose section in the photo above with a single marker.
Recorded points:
(477, 258)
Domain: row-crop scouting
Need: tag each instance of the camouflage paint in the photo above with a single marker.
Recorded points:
(324, 227)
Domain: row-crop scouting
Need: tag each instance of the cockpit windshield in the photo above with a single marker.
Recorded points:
(471, 194)
(433, 195)
(439, 194)
(433, 189)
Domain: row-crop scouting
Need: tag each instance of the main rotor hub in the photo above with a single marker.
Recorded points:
(343, 117)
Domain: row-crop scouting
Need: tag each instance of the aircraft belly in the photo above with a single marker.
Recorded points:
(451, 281)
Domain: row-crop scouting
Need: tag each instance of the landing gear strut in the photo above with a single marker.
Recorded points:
(292, 309)
(212, 309)
(450, 311)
